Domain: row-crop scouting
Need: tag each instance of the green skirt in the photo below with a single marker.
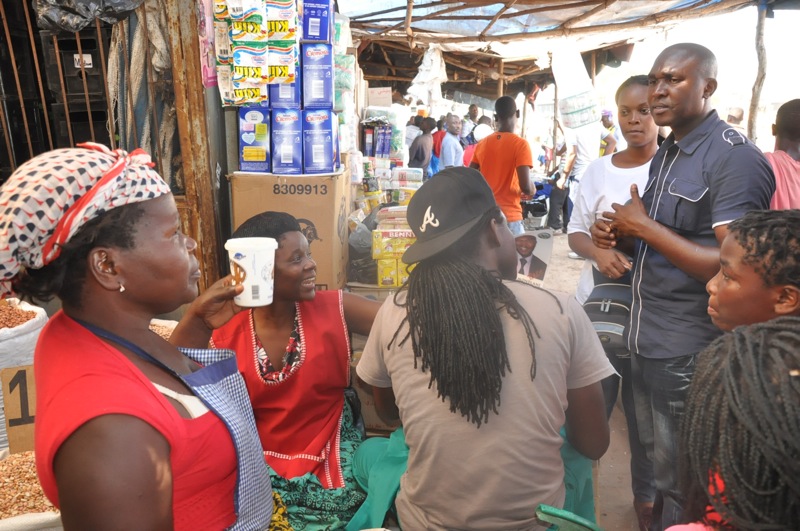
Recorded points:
(310, 506)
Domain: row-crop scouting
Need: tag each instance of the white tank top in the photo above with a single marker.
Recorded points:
(193, 405)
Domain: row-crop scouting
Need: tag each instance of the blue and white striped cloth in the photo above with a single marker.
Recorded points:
(220, 386)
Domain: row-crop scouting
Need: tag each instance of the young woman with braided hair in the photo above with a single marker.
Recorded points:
(741, 431)
(759, 276)
(481, 370)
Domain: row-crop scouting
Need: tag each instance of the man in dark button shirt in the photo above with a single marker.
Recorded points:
(704, 175)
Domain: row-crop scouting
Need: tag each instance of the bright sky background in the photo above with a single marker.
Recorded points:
(732, 39)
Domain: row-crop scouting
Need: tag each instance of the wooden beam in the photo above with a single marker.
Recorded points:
(439, 15)
(437, 3)
(523, 72)
(400, 47)
(723, 6)
(497, 16)
(481, 69)
(393, 67)
(388, 78)
(580, 18)
(388, 61)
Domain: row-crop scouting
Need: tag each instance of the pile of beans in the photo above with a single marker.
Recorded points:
(162, 330)
(20, 492)
(11, 316)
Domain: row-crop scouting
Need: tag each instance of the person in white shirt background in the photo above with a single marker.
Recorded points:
(469, 123)
(452, 152)
(582, 147)
(413, 129)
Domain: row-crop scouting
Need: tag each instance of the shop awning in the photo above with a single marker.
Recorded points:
(486, 41)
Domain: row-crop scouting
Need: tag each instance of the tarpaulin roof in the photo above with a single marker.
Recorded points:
(477, 34)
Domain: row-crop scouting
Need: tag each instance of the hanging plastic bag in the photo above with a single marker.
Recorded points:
(427, 84)
(74, 15)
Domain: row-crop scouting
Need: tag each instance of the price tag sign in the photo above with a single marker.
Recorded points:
(19, 404)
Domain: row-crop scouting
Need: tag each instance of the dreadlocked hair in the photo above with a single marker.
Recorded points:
(453, 311)
(741, 429)
(771, 243)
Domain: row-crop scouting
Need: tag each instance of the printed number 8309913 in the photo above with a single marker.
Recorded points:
(300, 189)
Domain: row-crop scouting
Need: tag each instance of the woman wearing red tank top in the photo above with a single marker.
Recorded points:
(295, 358)
(125, 438)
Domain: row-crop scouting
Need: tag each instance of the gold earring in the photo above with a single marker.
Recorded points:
(121, 288)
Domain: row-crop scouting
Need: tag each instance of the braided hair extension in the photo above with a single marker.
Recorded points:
(453, 313)
(742, 426)
(771, 243)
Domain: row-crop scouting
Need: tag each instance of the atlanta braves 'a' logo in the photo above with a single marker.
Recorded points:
(428, 219)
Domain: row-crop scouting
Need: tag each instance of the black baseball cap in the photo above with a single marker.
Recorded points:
(444, 209)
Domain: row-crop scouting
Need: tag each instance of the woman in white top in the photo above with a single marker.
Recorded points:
(608, 180)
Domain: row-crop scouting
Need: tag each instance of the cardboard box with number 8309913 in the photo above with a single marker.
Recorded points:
(320, 202)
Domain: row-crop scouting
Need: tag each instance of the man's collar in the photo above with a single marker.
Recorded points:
(696, 136)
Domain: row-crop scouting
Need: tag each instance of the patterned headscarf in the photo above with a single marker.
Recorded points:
(50, 197)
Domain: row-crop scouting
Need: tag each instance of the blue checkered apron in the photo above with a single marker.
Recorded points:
(221, 388)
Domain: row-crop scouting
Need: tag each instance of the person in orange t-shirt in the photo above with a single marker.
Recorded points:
(504, 158)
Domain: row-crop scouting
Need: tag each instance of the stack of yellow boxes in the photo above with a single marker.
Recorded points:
(388, 246)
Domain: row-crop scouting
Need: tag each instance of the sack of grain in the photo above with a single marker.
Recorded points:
(20, 324)
(23, 505)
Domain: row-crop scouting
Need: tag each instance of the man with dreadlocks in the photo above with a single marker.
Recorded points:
(741, 431)
(759, 273)
(481, 370)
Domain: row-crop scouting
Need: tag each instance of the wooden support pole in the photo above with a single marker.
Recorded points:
(501, 80)
(758, 84)
(553, 166)
(524, 127)
(190, 105)
(594, 65)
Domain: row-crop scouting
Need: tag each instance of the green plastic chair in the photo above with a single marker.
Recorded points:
(564, 520)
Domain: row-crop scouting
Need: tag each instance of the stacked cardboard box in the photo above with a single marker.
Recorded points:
(275, 60)
(319, 202)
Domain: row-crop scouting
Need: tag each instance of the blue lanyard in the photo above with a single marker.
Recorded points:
(136, 349)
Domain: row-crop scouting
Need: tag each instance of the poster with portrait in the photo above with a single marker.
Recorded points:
(534, 248)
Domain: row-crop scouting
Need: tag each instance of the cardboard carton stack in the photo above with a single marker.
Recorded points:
(275, 60)
(390, 240)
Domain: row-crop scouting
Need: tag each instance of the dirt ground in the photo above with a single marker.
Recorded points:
(613, 498)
